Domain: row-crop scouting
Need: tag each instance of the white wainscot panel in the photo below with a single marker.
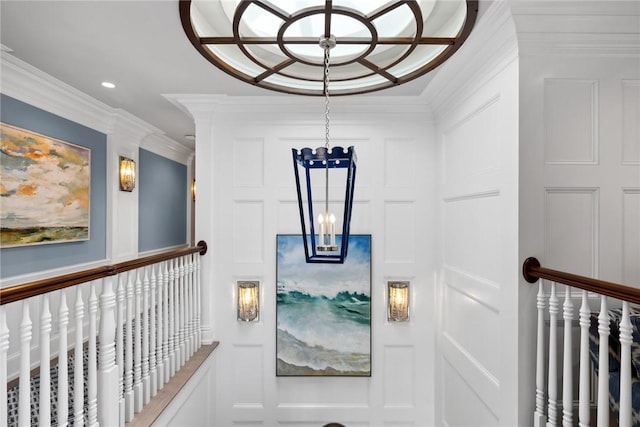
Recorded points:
(472, 324)
(571, 121)
(248, 162)
(310, 393)
(399, 163)
(399, 377)
(473, 235)
(631, 237)
(288, 217)
(631, 122)
(462, 405)
(247, 387)
(571, 234)
(248, 231)
(399, 232)
(471, 150)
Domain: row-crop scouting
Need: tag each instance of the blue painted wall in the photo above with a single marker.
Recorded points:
(162, 198)
(30, 259)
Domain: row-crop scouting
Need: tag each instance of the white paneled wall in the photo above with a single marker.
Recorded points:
(244, 149)
(477, 131)
(579, 148)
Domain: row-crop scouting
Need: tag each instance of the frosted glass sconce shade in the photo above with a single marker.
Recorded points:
(127, 172)
(398, 300)
(248, 301)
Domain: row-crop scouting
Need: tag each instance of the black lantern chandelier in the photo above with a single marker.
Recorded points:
(325, 247)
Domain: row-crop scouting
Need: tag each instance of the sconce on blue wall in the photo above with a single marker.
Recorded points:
(127, 173)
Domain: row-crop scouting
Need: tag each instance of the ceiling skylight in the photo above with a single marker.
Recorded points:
(274, 44)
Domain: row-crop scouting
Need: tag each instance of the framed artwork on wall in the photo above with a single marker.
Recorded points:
(323, 311)
(44, 187)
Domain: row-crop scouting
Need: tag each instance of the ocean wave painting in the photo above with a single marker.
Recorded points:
(323, 311)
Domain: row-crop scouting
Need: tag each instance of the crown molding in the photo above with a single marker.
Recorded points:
(166, 147)
(28, 84)
(594, 28)
(292, 104)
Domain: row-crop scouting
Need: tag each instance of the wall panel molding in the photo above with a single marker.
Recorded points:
(479, 379)
(572, 229)
(571, 121)
(631, 122)
(399, 231)
(248, 231)
(248, 162)
(482, 290)
(631, 236)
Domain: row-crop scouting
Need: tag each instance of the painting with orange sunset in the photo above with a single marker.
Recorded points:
(44, 189)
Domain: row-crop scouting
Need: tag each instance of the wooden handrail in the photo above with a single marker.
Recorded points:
(532, 271)
(39, 287)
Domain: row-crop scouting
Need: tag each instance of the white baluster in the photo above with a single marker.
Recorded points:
(198, 302)
(625, 367)
(181, 313)
(137, 347)
(4, 348)
(539, 417)
(24, 397)
(92, 362)
(108, 405)
(585, 364)
(44, 416)
(160, 321)
(567, 367)
(152, 333)
(603, 364)
(63, 360)
(172, 319)
(128, 351)
(121, 313)
(146, 385)
(191, 306)
(165, 324)
(553, 352)
(78, 365)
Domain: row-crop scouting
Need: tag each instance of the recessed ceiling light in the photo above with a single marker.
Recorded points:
(108, 85)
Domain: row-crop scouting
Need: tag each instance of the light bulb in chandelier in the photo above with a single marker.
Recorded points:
(327, 235)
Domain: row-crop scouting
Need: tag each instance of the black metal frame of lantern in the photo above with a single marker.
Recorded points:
(336, 158)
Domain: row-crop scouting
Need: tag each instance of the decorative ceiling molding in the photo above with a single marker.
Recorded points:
(493, 47)
(372, 45)
(211, 104)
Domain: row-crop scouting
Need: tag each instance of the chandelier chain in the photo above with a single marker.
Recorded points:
(326, 124)
(326, 95)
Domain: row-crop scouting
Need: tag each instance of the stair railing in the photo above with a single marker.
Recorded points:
(552, 409)
(132, 325)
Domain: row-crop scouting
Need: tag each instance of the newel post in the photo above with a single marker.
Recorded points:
(108, 405)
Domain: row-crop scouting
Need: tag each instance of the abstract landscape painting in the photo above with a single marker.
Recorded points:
(44, 189)
(323, 311)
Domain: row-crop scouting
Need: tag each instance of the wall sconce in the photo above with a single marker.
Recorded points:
(248, 301)
(398, 300)
(127, 168)
(193, 190)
